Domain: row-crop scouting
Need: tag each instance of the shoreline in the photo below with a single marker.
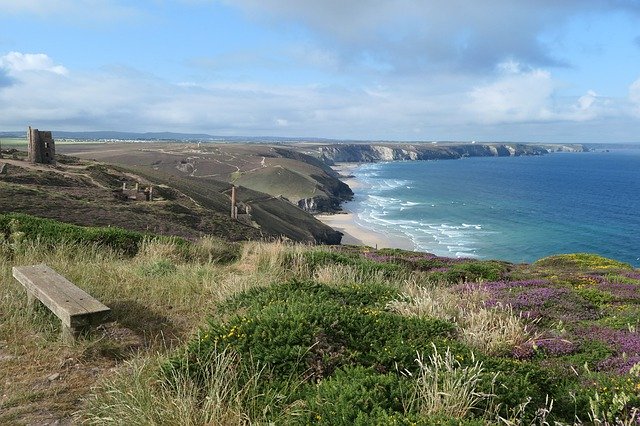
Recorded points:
(345, 222)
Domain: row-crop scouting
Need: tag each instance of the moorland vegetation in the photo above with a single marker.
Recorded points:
(216, 332)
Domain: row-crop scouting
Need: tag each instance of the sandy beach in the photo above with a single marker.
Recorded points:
(346, 222)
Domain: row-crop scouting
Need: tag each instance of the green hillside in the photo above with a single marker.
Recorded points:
(211, 332)
(85, 192)
(280, 181)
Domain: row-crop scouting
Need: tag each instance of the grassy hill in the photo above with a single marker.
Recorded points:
(213, 332)
(279, 180)
(275, 170)
(85, 192)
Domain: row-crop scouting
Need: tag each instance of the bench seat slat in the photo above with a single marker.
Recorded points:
(60, 295)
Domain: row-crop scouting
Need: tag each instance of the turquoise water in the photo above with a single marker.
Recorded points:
(517, 209)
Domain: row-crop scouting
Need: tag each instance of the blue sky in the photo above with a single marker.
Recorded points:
(496, 70)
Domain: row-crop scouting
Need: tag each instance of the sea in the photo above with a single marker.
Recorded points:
(518, 209)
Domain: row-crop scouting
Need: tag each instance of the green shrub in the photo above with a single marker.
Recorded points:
(357, 395)
(614, 400)
(621, 279)
(474, 271)
(308, 330)
(306, 327)
(52, 232)
(518, 381)
(316, 258)
(582, 261)
(589, 354)
(594, 296)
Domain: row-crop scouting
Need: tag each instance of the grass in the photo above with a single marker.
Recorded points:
(254, 333)
(7, 143)
(137, 396)
(184, 206)
(152, 312)
(445, 388)
(280, 181)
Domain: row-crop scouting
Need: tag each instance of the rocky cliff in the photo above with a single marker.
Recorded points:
(366, 153)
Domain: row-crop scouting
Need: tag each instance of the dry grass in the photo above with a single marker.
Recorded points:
(158, 299)
(135, 395)
(492, 330)
(444, 388)
(337, 274)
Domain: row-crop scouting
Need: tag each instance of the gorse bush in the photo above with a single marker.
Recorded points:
(358, 395)
(322, 334)
(584, 261)
(475, 271)
(309, 328)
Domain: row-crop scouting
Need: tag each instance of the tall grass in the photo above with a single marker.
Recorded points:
(226, 391)
(137, 395)
(337, 274)
(259, 256)
(167, 290)
(445, 388)
(160, 297)
(492, 330)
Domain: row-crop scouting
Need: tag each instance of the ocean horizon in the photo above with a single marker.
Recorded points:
(517, 209)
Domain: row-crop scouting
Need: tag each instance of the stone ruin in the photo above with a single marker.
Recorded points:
(240, 211)
(135, 193)
(42, 148)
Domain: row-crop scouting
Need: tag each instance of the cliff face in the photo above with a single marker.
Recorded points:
(367, 153)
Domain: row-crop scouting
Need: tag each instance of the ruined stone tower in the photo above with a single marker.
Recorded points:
(42, 147)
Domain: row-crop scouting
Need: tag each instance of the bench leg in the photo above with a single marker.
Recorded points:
(31, 299)
(68, 334)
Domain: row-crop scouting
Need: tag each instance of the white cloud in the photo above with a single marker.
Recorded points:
(588, 106)
(123, 99)
(586, 101)
(413, 36)
(521, 96)
(515, 96)
(634, 96)
(16, 62)
(319, 58)
(634, 92)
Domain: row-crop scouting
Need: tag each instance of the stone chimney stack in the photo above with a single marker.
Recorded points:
(42, 147)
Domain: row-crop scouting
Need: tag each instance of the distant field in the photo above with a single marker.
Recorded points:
(12, 142)
(22, 142)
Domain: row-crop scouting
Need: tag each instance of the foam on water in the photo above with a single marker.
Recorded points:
(376, 212)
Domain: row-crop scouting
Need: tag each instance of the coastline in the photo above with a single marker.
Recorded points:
(345, 222)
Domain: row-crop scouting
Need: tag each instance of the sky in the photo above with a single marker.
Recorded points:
(408, 70)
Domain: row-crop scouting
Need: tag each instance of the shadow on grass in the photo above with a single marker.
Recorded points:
(151, 327)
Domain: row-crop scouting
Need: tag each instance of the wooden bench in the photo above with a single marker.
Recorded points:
(77, 309)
